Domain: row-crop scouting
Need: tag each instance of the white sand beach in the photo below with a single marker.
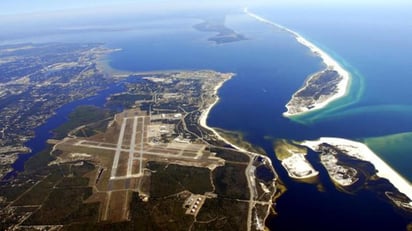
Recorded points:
(331, 64)
(205, 113)
(361, 151)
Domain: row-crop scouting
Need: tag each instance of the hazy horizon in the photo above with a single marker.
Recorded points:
(22, 19)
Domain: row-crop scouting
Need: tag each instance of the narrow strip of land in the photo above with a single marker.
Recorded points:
(118, 148)
(141, 146)
(132, 147)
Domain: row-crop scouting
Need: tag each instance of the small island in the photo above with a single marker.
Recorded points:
(322, 87)
(298, 167)
(340, 174)
(292, 158)
(224, 34)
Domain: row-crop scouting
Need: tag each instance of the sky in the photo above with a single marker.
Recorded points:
(13, 7)
(20, 17)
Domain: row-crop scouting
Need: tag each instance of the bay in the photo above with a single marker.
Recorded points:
(269, 68)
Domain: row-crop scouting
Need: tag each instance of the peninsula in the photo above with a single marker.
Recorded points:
(332, 147)
(321, 88)
(154, 165)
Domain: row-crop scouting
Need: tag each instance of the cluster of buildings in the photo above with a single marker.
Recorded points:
(193, 204)
(298, 167)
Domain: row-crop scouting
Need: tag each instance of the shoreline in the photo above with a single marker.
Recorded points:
(363, 152)
(249, 173)
(331, 64)
(298, 167)
(206, 112)
(103, 65)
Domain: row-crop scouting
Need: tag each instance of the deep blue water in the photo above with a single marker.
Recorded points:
(373, 43)
(269, 68)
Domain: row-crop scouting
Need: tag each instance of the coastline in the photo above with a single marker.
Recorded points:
(331, 64)
(361, 151)
(298, 167)
(293, 160)
(103, 65)
(250, 170)
(206, 112)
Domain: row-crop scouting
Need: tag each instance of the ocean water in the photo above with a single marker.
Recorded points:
(269, 68)
(373, 43)
(375, 106)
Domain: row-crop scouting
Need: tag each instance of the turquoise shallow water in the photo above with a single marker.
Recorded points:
(269, 68)
(373, 43)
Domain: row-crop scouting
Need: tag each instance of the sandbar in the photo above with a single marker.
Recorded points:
(331, 64)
